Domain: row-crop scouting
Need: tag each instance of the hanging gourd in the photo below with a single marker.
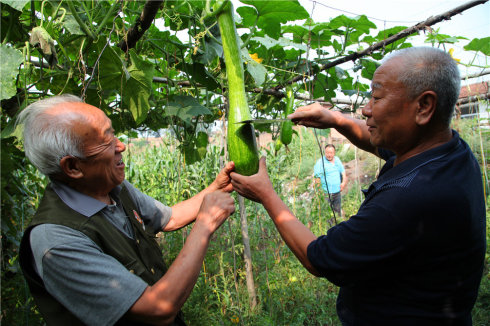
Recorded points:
(241, 142)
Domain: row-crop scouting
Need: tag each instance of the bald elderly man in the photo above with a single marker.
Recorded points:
(414, 252)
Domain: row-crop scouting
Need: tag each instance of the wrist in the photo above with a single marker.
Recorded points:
(339, 119)
(202, 227)
(213, 186)
(268, 197)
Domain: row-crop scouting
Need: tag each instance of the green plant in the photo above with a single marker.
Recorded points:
(165, 82)
(346, 152)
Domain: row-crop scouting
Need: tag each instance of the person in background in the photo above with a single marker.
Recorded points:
(414, 252)
(89, 254)
(331, 173)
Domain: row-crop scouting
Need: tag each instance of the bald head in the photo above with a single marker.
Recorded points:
(422, 69)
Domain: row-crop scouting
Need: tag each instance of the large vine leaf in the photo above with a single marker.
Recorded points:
(369, 67)
(138, 89)
(70, 23)
(199, 74)
(111, 67)
(212, 49)
(274, 13)
(479, 44)
(324, 86)
(359, 23)
(248, 15)
(254, 68)
(9, 67)
(185, 108)
(300, 33)
(196, 149)
(269, 42)
(16, 4)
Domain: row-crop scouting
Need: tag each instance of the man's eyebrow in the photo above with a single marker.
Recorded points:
(109, 130)
(376, 85)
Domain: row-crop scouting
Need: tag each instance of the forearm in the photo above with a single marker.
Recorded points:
(160, 303)
(344, 181)
(186, 211)
(295, 234)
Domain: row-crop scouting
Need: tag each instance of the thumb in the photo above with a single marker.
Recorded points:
(262, 164)
(230, 166)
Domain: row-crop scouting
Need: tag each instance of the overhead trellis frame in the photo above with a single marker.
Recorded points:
(141, 25)
(151, 8)
(405, 33)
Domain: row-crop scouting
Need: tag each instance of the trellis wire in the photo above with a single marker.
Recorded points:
(308, 46)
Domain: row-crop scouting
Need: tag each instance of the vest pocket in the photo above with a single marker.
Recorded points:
(135, 267)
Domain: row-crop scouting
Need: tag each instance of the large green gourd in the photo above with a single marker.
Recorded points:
(242, 145)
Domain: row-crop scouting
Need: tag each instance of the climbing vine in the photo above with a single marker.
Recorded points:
(157, 67)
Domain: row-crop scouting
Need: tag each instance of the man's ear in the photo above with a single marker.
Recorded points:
(426, 107)
(71, 167)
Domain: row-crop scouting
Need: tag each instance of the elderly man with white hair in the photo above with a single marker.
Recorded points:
(89, 254)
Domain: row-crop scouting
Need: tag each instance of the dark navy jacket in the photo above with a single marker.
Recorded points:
(414, 252)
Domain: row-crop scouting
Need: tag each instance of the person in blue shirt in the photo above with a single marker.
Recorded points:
(331, 172)
(414, 252)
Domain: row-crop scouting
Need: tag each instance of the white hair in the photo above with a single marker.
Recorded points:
(48, 137)
(427, 68)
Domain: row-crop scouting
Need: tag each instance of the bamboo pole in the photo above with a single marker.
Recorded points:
(247, 254)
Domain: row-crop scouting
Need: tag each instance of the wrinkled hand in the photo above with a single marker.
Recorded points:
(314, 115)
(216, 207)
(223, 179)
(254, 187)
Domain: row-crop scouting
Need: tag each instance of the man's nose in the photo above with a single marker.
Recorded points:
(366, 110)
(120, 147)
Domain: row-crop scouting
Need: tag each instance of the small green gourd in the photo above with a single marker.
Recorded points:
(287, 126)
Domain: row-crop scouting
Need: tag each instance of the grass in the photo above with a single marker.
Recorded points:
(287, 293)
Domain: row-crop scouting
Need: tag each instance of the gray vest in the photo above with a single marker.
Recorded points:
(141, 255)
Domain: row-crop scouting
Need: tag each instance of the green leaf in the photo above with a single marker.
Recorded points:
(362, 24)
(195, 149)
(70, 23)
(212, 49)
(138, 87)
(16, 4)
(185, 108)
(12, 129)
(255, 69)
(479, 44)
(324, 87)
(384, 34)
(199, 74)
(369, 67)
(248, 14)
(202, 139)
(300, 33)
(111, 68)
(269, 42)
(9, 69)
(274, 13)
